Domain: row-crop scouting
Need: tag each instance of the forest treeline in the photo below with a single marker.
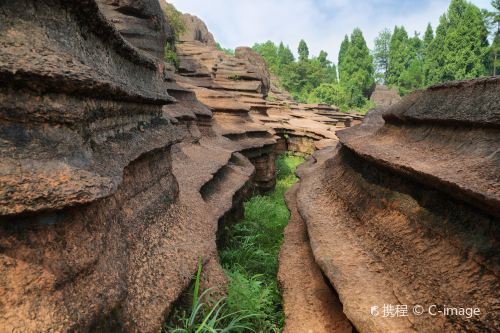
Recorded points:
(459, 48)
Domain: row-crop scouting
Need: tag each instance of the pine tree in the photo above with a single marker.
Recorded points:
(435, 55)
(285, 55)
(358, 69)
(343, 50)
(399, 55)
(426, 43)
(460, 49)
(381, 54)
(466, 42)
(303, 51)
(322, 58)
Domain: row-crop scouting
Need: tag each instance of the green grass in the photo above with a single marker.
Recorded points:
(206, 315)
(250, 259)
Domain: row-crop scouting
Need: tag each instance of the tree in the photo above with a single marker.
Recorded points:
(426, 43)
(269, 52)
(343, 50)
(285, 55)
(322, 58)
(434, 61)
(495, 46)
(303, 51)
(495, 55)
(332, 94)
(466, 42)
(460, 49)
(399, 55)
(357, 69)
(381, 54)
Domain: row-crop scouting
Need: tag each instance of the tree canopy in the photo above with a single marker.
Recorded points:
(457, 49)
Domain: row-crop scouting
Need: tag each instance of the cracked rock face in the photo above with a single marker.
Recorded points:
(404, 210)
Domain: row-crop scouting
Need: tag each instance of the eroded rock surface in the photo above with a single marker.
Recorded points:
(404, 210)
(383, 96)
(311, 305)
(113, 177)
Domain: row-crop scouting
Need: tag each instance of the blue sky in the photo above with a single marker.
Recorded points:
(322, 23)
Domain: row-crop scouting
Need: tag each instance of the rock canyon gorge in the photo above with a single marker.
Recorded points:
(120, 171)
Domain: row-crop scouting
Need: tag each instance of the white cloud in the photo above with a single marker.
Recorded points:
(322, 23)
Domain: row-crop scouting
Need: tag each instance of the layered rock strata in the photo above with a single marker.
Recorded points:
(113, 177)
(404, 211)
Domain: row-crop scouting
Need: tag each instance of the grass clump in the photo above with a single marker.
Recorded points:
(250, 259)
(207, 316)
(174, 18)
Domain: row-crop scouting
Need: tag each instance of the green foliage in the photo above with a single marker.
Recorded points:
(357, 70)
(251, 256)
(225, 50)
(399, 55)
(208, 317)
(493, 19)
(171, 56)
(381, 54)
(457, 50)
(333, 94)
(495, 56)
(297, 77)
(342, 53)
(285, 55)
(460, 48)
(269, 52)
(427, 53)
(174, 18)
(303, 51)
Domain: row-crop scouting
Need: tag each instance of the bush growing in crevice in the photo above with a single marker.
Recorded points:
(171, 56)
(178, 26)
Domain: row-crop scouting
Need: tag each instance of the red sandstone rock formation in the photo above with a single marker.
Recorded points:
(405, 210)
(113, 175)
(384, 97)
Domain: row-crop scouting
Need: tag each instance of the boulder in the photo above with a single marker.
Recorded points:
(384, 96)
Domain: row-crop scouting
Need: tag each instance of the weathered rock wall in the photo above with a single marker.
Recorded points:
(404, 211)
(113, 177)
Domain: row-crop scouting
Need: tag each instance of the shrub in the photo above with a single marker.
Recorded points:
(171, 56)
(175, 21)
